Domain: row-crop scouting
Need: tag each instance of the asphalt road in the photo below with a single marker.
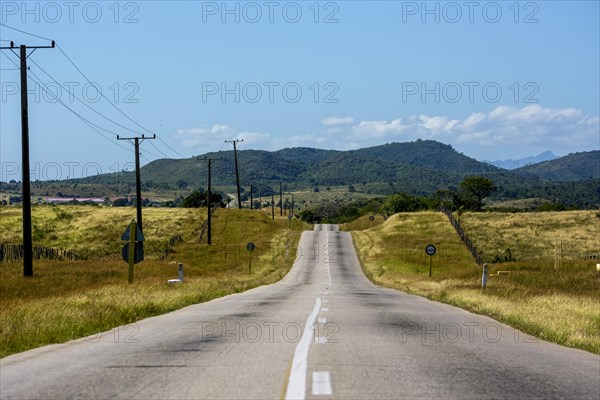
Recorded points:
(324, 331)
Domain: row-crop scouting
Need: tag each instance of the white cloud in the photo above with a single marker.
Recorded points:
(473, 120)
(437, 124)
(335, 121)
(504, 127)
(379, 129)
(532, 124)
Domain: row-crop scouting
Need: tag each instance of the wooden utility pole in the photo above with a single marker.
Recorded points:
(251, 198)
(272, 206)
(208, 204)
(237, 172)
(26, 188)
(280, 200)
(138, 183)
(209, 200)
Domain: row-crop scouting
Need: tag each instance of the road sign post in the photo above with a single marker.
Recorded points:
(430, 251)
(250, 247)
(132, 229)
(133, 250)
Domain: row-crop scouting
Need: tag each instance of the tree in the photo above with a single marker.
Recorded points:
(197, 199)
(403, 202)
(477, 188)
(194, 200)
(122, 202)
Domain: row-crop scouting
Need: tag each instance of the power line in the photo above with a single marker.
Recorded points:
(159, 150)
(86, 121)
(172, 149)
(112, 104)
(101, 94)
(81, 101)
(89, 123)
(27, 33)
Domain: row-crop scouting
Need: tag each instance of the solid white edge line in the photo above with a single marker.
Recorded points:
(297, 383)
(321, 383)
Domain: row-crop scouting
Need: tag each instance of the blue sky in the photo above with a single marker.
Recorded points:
(494, 79)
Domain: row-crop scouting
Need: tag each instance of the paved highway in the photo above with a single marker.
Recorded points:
(324, 331)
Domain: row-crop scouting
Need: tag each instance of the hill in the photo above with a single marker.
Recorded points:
(573, 167)
(420, 167)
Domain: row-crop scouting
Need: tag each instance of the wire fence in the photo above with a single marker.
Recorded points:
(15, 252)
(472, 249)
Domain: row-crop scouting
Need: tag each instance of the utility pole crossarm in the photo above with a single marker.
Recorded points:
(12, 46)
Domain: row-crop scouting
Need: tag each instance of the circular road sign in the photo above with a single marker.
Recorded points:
(372, 218)
(250, 246)
(430, 249)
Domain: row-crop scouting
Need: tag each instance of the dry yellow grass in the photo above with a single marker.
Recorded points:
(65, 300)
(362, 223)
(560, 306)
(95, 231)
(534, 235)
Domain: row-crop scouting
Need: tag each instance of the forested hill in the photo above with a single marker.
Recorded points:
(419, 167)
(573, 167)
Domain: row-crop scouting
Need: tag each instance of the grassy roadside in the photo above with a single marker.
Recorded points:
(95, 231)
(65, 300)
(559, 306)
(362, 223)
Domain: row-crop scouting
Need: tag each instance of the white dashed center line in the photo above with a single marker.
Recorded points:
(321, 383)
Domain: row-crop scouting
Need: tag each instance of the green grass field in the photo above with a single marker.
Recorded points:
(562, 305)
(65, 300)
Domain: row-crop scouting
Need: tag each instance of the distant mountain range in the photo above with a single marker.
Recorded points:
(514, 164)
(419, 167)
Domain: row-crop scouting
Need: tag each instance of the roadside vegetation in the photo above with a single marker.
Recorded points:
(65, 300)
(559, 305)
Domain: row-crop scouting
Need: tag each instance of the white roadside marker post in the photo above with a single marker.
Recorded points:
(484, 276)
(180, 275)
